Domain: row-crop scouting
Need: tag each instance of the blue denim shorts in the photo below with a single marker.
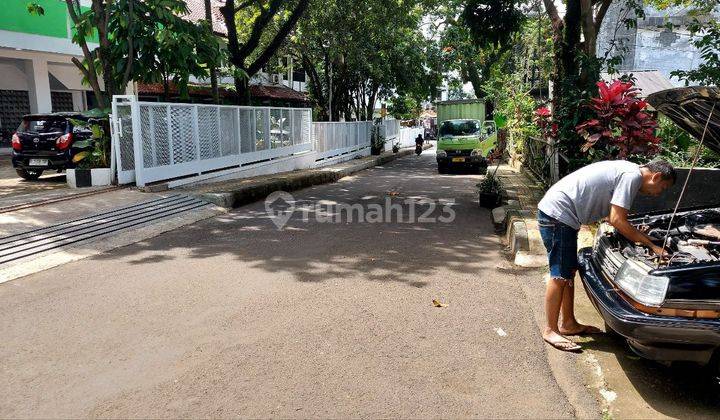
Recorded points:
(561, 244)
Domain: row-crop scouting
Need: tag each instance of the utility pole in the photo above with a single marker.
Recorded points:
(213, 70)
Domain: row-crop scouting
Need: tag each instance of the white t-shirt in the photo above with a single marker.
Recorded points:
(585, 195)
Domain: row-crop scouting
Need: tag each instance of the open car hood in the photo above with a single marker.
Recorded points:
(689, 108)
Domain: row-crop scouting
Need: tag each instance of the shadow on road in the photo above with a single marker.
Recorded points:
(682, 390)
(317, 251)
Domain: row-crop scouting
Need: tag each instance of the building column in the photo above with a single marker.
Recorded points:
(39, 85)
(79, 100)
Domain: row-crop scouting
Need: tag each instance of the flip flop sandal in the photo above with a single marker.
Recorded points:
(588, 330)
(569, 346)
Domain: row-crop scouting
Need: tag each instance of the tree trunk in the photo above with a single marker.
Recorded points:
(474, 78)
(212, 69)
(242, 88)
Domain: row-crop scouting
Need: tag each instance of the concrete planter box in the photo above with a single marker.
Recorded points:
(80, 178)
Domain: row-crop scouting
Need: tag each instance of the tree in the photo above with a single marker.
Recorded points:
(577, 67)
(251, 50)
(358, 52)
(135, 39)
(474, 35)
(211, 68)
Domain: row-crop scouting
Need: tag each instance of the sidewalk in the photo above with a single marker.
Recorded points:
(517, 219)
(238, 192)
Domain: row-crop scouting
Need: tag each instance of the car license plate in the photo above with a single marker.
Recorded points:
(458, 159)
(38, 162)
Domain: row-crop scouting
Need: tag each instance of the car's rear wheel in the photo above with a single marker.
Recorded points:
(29, 174)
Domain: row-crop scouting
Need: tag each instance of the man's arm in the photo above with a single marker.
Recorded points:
(618, 218)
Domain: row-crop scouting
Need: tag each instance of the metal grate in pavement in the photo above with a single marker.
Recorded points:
(26, 244)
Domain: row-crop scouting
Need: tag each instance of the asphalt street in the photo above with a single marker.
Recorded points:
(325, 318)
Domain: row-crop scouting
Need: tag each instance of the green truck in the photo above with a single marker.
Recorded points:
(465, 139)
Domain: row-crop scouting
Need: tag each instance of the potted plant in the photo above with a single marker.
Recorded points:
(489, 191)
(396, 147)
(377, 141)
(93, 163)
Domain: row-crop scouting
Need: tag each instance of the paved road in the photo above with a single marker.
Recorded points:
(12, 185)
(232, 317)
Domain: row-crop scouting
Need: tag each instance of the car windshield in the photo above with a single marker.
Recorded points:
(459, 127)
(42, 125)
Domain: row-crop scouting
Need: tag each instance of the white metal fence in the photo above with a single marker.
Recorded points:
(164, 141)
(390, 129)
(160, 141)
(407, 135)
(338, 138)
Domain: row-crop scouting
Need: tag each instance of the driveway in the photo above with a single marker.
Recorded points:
(11, 185)
(232, 317)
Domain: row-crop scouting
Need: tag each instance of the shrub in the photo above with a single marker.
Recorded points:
(620, 126)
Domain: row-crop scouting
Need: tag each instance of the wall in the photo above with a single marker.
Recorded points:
(651, 46)
(13, 75)
(53, 23)
(665, 50)
(613, 28)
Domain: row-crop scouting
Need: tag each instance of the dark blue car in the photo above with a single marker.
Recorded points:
(47, 142)
(669, 309)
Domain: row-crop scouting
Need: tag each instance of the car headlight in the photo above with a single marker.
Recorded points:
(633, 279)
(441, 153)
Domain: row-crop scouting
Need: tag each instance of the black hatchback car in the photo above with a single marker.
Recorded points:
(47, 142)
(669, 309)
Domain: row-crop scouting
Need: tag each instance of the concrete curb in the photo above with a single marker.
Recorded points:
(240, 195)
(519, 225)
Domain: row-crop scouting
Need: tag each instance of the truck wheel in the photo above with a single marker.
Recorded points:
(442, 168)
(29, 174)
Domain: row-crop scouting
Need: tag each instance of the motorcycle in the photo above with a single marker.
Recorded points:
(418, 149)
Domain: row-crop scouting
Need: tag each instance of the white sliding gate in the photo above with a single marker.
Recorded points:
(160, 141)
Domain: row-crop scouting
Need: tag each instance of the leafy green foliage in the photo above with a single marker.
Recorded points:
(678, 147)
(98, 153)
(358, 52)
(257, 32)
(144, 40)
(404, 107)
(492, 22)
(513, 77)
(490, 184)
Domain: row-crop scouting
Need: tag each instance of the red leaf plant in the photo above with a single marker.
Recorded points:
(620, 121)
(543, 117)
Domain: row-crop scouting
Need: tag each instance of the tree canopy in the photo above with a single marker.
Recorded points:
(357, 52)
(138, 40)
